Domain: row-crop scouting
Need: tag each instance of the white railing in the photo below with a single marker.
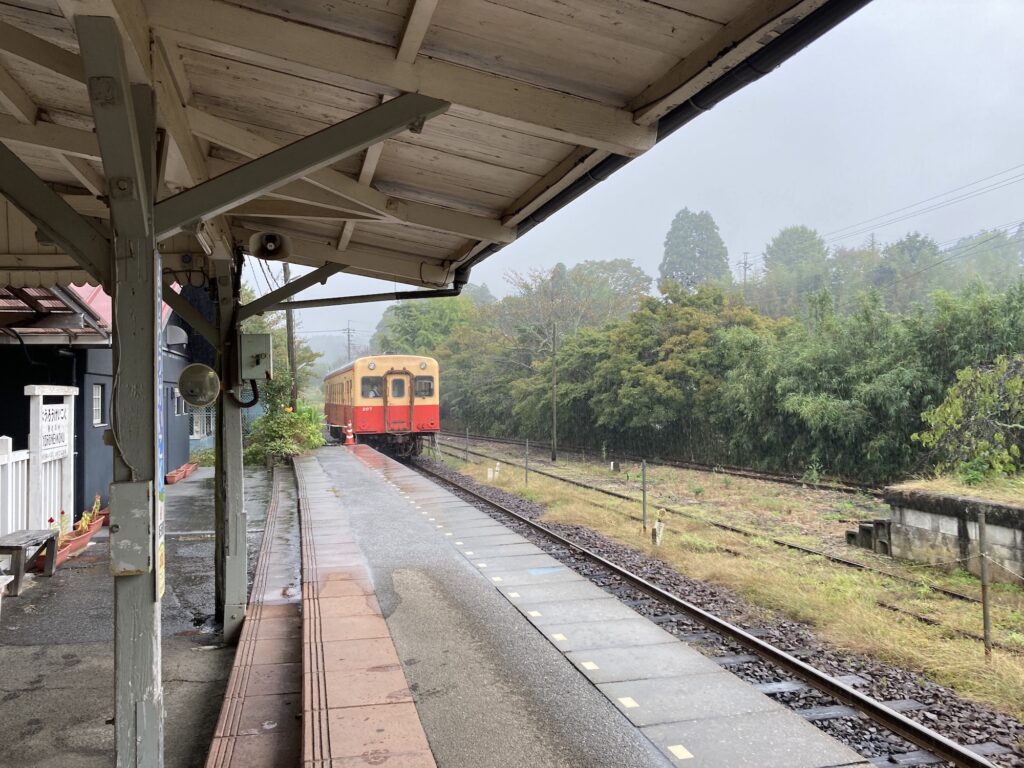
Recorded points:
(37, 484)
(13, 488)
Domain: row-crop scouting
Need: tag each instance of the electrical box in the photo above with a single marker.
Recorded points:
(131, 528)
(255, 358)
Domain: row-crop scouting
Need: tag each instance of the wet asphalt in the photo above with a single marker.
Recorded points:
(56, 644)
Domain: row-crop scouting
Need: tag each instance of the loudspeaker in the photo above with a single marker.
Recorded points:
(270, 246)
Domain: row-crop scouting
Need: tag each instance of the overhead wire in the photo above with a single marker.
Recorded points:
(921, 202)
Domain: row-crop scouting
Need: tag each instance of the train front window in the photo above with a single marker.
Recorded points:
(423, 386)
(398, 387)
(372, 386)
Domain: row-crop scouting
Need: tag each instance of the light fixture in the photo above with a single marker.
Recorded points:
(423, 366)
(371, 366)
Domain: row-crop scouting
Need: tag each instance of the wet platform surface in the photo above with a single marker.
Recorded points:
(514, 659)
(357, 706)
(56, 644)
(260, 723)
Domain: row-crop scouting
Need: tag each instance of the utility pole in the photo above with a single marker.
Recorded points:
(289, 323)
(348, 337)
(554, 388)
(746, 266)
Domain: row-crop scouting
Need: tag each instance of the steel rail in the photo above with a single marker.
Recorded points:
(724, 469)
(890, 719)
(741, 531)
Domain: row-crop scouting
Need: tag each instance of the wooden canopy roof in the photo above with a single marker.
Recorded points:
(543, 98)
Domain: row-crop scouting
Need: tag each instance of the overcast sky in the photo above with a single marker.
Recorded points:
(905, 100)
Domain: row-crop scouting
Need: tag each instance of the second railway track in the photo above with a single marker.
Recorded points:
(934, 747)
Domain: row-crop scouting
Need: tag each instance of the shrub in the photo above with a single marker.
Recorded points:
(204, 457)
(978, 430)
(282, 432)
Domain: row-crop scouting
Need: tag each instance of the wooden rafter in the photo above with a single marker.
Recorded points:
(400, 211)
(14, 99)
(416, 26)
(299, 49)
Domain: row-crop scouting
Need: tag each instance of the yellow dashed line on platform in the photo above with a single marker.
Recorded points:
(589, 666)
(628, 702)
(679, 752)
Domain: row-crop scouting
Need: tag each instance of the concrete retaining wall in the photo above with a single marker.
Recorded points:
(932, 528)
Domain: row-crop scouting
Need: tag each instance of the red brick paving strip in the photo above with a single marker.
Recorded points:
(357, 707)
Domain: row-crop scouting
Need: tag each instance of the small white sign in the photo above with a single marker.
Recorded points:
(53, 431)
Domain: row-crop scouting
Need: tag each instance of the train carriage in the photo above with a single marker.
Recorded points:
(390, 402)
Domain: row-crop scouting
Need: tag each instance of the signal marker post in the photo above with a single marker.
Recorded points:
(526, 464)
(643, 483)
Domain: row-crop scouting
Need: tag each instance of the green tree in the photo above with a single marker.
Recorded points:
(978, 429)
(694, 251)
(420, 327)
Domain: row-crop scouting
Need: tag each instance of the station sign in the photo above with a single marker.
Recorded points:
(53, 431)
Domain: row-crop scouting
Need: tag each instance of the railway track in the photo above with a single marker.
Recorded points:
(459, 452)
(846, 487)
(934, 747)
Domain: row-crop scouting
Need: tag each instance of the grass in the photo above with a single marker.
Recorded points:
(1000, 490)
(841, 604)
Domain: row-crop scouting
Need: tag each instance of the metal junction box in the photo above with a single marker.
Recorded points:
(255, 357)
(131, 528)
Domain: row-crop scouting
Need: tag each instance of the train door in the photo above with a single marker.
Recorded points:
(398, 399)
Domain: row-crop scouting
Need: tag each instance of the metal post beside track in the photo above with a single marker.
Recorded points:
(526, 464)
(643, 483)
(467, 445)
(986, 619)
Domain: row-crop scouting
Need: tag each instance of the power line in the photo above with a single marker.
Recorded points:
(976, 193)
(922, 202)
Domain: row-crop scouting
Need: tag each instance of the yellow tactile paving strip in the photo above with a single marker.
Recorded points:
(357, 707)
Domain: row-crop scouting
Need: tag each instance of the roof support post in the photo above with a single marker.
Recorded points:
(286, 291)
(136, 422)
(126, 127)
(230, 524)
(294, 160)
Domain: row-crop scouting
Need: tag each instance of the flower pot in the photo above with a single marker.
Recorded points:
(104, 515)
(95, 524)
(72, 546)
(190, 468)
(172, 477)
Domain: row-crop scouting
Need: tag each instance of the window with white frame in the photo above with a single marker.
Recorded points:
(99, 404)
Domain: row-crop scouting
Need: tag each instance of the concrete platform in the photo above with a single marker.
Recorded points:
(56, 644)
(484, 624)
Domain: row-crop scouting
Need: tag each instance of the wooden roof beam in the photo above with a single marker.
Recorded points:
(369, 167)
(40, 52)
(294, 160)
(412, 270)
(416, 26)
(396, 210)
(731, 45)
(72, 141)
(84, 171)
(306, 51)
(14, 99)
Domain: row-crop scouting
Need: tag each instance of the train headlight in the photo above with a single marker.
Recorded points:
(423, 366)
(371, 365)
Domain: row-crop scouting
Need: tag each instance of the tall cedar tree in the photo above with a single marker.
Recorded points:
(694, 251)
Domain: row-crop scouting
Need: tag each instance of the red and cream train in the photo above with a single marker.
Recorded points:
(388, 401)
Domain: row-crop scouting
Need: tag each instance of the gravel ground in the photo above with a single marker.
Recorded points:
(944, 711)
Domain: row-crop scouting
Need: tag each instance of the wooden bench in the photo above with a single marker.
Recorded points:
(24, 545)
